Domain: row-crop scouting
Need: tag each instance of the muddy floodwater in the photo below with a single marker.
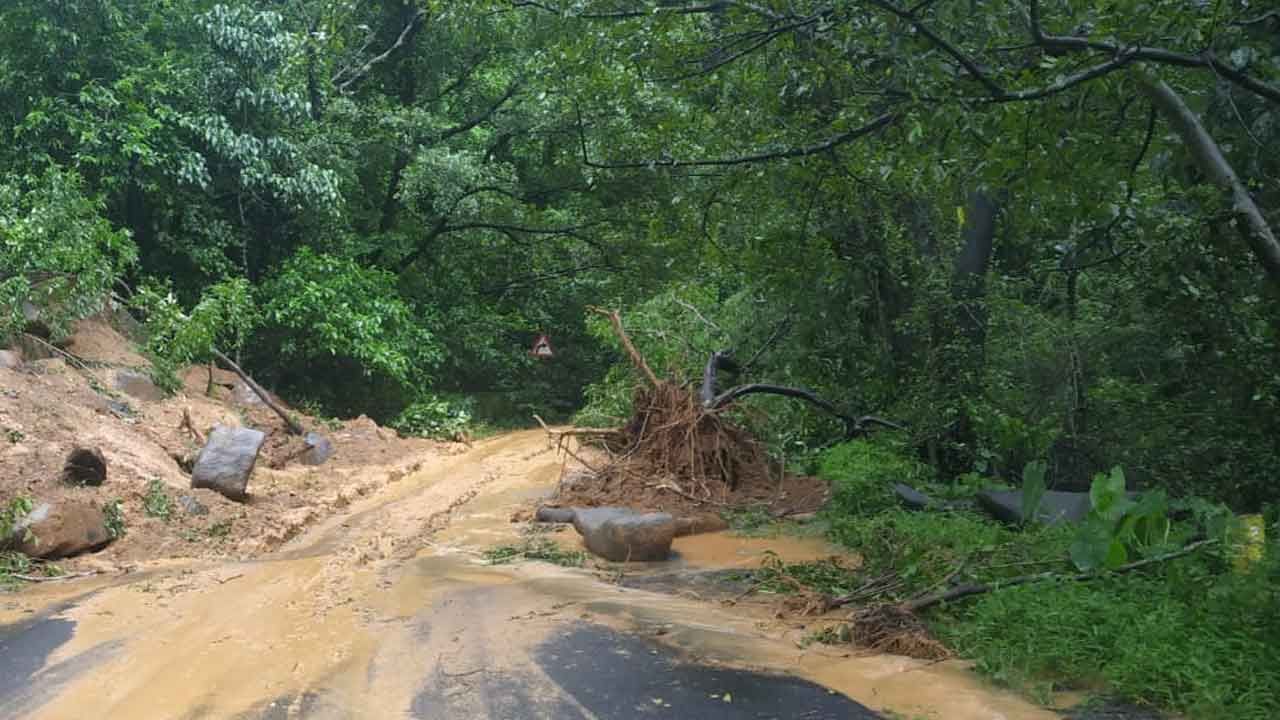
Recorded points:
(389, 611)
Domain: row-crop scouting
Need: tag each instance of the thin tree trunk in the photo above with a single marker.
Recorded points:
(294, 426)
(1209, 158)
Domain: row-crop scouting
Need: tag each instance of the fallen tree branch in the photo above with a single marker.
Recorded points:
(853, 425)
(636, 358)
(1251, 223)
(294, 426)
(970, 589)
(190, 426)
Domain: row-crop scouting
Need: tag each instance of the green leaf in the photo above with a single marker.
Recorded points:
(1033, 488)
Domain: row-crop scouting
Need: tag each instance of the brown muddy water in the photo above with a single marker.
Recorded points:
(389, 612)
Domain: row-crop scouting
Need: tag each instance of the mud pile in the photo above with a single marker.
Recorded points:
(98, 393)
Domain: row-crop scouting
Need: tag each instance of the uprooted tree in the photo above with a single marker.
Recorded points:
(681, 441)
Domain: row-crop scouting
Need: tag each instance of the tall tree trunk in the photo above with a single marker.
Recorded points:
(961, 333)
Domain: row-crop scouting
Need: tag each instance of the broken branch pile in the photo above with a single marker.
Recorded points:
(677, 454)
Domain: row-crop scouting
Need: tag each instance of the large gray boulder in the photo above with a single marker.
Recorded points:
(1056, 507)
(226, 461)
(52, 532)
(621, 534)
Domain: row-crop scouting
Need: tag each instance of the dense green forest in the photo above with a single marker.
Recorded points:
(1024, 231)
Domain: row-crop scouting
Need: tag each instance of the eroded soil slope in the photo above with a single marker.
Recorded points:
(100, 396)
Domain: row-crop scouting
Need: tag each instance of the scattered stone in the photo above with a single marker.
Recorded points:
(554, 515)
(621, 535)
(226, 461)
(138, 385)
(911, 497)
(318, 451)
(53, 532)
(85, 466)
(120, 409)
(191, 505)
(10, 359)
(1056, 507)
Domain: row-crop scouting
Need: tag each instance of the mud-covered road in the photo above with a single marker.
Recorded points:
(386, 611)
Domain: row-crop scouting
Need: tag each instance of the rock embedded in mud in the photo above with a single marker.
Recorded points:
(554, 515)
(137, 385)
(226, 461)
(85, 466)
(191, 505)
(319, 449)
(621, 534)
(52, 532)
(10, 359)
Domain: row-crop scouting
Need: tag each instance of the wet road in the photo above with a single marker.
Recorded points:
(388, 612)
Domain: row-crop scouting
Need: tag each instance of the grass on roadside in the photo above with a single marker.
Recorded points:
(535, 548)
(1191, 635)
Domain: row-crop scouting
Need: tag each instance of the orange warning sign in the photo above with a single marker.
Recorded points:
(542, 347)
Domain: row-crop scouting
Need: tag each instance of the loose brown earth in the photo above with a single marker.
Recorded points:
(50, 406)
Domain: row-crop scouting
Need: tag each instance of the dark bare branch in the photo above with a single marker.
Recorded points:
(970, 589)
(1161, 56)
(854, 426)
(797, 152)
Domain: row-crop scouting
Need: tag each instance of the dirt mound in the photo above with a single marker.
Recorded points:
(675, 456)
(97, 342)
(50, 407)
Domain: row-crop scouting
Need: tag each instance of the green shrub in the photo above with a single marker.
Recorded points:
(435, 416)
(113, 513)
(12, 512)
(157, 502)
(57, 252)
(862, 473)
(924, 548)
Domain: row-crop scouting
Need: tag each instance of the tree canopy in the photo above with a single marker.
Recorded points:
(1033, 229)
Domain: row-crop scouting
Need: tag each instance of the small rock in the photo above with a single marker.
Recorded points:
(554, 515)
(226, 461)
(137, 385)
(191, 505)
(318, 451)
(912, 498)
(53, 532)
(620, 534)
(85, 466)
(10, 359)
